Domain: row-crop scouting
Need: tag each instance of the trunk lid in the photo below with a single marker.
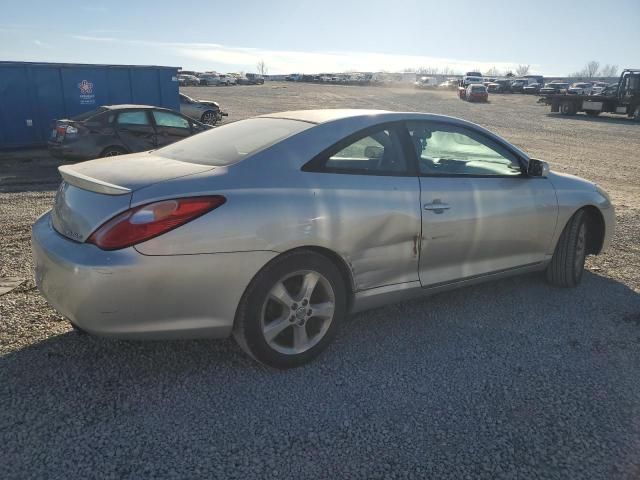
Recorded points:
(93, 192)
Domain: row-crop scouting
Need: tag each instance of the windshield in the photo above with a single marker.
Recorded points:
(233, 142)
(89, 114)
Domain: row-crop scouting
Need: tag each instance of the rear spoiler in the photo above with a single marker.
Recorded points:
(85, 182)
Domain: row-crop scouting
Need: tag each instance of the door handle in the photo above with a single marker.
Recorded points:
(436, 206)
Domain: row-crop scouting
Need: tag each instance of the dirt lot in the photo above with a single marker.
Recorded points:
(533, 382)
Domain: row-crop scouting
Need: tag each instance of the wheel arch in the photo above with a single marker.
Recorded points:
(595, 229)
(114, 146)
(336, 259)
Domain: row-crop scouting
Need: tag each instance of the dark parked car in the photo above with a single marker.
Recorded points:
(255, 79)
(119, 129)
(532, 89)
(188, 80)
(500, 86)
(517, 86)
(554, 87)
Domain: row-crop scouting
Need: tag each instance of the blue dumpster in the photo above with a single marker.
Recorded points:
(32, 95)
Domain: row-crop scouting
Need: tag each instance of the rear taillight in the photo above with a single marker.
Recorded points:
(142, 223)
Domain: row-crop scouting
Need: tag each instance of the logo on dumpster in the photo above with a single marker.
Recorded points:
(86, 93)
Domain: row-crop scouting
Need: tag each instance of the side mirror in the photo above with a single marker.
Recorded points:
(537, 168)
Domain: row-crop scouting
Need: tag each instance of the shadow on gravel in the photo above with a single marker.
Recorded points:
(30, 170)
(512, 377)
(599, 119)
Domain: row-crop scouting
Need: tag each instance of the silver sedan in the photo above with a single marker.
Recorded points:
(275, 228)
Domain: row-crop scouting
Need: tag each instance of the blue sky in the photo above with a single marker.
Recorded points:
(554, 37)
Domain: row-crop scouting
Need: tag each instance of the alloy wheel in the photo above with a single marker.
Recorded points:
(297, 312)
(209, 118)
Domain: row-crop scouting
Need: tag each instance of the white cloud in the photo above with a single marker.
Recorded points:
(41, 44)
(216, 56)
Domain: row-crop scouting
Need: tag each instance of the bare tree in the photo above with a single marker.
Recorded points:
(262, 67)
(523, 70)
(509, 73)
(447, 70)
(591, 69)
(428, 70)
(492, 72)
(609, 71)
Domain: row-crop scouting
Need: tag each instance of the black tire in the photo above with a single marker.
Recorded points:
(209, 118)
(567, 108)
(567, 264)
(249, 324)
(113, 151)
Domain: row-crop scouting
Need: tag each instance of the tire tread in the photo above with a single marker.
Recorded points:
(560, 271)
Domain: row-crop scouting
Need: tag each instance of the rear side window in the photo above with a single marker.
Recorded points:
(89, 114)
(133, 118)
(375, 153)
(233, 142)
(168, 119)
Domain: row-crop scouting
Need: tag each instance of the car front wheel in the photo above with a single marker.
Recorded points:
(209, 118)
(567, 264)
(292, 309)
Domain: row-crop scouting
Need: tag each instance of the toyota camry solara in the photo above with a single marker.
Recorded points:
(273, 229)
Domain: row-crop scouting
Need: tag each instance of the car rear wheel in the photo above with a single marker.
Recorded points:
(113, 151)
(567, 264)
(209, 118)
(291, 311)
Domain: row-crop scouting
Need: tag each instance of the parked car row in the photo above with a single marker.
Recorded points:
(218, 79)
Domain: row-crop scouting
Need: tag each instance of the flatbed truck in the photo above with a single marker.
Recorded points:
(621, 100)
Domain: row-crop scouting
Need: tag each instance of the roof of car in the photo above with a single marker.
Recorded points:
(324, 115)
(124, 106)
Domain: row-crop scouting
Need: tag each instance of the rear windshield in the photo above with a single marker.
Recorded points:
(89, 114)
(233, 142)
(477, 89)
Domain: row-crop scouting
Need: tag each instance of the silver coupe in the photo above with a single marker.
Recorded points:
(275, 228)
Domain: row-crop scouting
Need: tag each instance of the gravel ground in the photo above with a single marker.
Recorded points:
(533, 382)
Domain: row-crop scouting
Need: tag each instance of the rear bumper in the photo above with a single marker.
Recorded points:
(126, 294)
